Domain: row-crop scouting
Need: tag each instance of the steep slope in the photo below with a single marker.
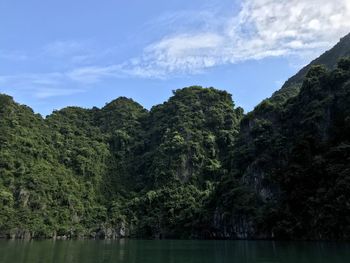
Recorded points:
(100, 145)
(61, 175)
(267, 111)
(40, 195)
(187, 141)
(122, 122)
(292, 171)
(188, 137)
(329, 59)
(256, 132)
(192, 167)
(119, 170)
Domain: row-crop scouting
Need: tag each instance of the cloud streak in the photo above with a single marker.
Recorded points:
(262, 28)
(40, 86)
(198, 41)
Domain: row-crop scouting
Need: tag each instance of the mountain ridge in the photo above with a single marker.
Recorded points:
(330, 58)
(192, 167)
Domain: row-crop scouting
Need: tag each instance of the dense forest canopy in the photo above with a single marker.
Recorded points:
(193, 167)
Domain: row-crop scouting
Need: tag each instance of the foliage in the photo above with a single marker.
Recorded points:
(192, 167)
(297, 162)
(80, 170)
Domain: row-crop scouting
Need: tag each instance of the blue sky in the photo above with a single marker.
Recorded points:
(88, 52)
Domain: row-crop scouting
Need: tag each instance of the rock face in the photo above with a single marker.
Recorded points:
(278, 149)
(257, 180)
(238, 227)
(293, 165)
(106, 232)
(188, 168)
(329, 59)
(17, 234)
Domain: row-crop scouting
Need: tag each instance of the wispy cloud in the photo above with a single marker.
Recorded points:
(75, 64)
(94, 74)
(71, 52)
(54, 84)
(262, 28)
(191, 42)
(39, 86)
(44, 92)
(24, 80)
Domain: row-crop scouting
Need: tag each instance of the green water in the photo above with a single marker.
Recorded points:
(163, 251)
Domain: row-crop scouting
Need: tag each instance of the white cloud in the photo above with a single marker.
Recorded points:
(183, 53)
(93, 74)
(44, 93)
(199, 40)
(262, 28)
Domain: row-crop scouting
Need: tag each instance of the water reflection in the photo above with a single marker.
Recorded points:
(162, 251)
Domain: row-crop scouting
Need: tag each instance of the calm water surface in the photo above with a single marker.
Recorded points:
(163, 251)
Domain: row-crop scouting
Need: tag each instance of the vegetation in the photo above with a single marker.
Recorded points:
(329, 59)
(294, 166)
(192, 167)
(94, 172)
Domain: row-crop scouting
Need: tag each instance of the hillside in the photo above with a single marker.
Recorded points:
(192, 167)
(329, 59)
(291, 174)
(114, 171)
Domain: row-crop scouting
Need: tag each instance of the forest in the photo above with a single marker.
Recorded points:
(195, 166)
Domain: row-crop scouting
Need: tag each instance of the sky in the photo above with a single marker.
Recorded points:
(58, 53)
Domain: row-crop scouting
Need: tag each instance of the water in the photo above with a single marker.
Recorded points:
(179, 251)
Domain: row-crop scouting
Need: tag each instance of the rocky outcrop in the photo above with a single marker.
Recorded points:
(108, 232)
